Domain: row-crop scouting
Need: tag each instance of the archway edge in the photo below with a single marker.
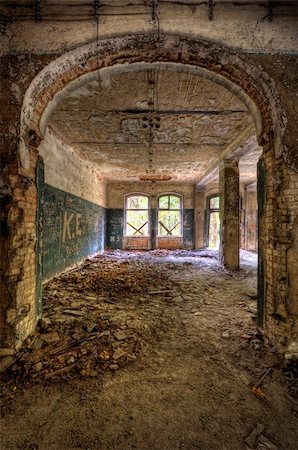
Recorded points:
(220, 64)
(172, 66)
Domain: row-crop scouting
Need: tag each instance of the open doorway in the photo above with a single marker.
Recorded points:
(213, 222)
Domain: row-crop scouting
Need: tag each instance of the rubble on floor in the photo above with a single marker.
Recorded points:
(76, 333)
(157, 316)
(89, 323)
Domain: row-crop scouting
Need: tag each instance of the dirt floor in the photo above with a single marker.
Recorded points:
(155, 350)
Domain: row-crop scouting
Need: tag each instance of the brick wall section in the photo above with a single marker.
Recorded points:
(279, 237)
(136, 243)
(18, 285)
(169, 243)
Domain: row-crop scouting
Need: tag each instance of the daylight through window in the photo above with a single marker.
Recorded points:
(137, 216)
(169, 215)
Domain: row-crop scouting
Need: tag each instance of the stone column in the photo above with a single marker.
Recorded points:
(199, 218)
(229, 214)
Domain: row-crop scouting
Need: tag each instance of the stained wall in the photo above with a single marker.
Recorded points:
(73, 207)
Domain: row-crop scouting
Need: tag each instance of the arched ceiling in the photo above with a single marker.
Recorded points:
(155, 123)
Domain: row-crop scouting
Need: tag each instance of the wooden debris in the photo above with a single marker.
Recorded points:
(73, 312)
(109, 301)
(262, 378)
(59, 372)
(163, 292)
(77, 325)
(50, 337)
(265, 444)
(252, 437)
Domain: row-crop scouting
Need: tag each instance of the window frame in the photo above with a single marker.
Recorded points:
(126, 209)
(180, 209)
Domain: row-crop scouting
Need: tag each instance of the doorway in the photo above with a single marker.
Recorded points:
(213, 222)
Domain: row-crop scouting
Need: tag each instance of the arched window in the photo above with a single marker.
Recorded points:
(169, 215)
(136, 215)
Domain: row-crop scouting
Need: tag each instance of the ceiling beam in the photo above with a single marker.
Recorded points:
(153, 144)
(170, 112)
(231, 152)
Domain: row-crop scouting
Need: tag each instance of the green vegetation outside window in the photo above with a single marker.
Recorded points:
(169, 215)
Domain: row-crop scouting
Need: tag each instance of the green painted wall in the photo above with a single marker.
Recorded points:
(39, 233)
(115, 223)
(114, 230)
(73, 228)
(188, 228)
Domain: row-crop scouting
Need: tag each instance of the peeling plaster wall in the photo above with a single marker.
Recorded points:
(117, 192)
(243, 27)
(66, 171)
(72, 208)
(73, 228)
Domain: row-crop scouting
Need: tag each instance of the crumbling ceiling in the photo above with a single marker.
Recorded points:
(156, 122)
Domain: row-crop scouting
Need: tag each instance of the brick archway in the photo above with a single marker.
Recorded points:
(222, 65)
(236, 72)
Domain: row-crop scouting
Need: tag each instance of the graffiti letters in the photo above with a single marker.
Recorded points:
(71, 226)
(78, 225)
